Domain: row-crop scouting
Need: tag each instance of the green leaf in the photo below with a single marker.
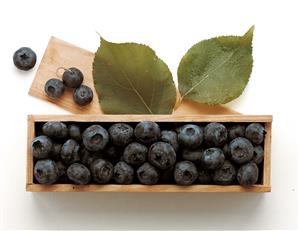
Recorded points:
(131, 79)
(216, 71)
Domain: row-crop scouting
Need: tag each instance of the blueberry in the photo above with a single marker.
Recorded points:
(226, 174)
(204, 176)
(192, 155)
(255, 133)
(70, 152)
(95, 138)
(135, 153)
(123, 173)
(74, 132)
(83, 95)
(225, 149)
(46, 171)
(112, 153)
(41, 147)
(61, 168)
(147, 132)
(78, 173)
(102, 171)
(236, 130)
(121, 134)
(170, 137)
(185, 173)
(258, 154)
(72, 77)
(86, 157)
(212, 158)
(55, 129)
(147, 174)
(54, 88)
(215, 134)
(24, 58)
(248, 174)
(190, 136)
(241, 150)
(55, 152)
(162, 155)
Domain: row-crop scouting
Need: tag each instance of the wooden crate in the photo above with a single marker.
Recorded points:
(265, 185)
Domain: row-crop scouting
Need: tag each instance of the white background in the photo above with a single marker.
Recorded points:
(169, 27)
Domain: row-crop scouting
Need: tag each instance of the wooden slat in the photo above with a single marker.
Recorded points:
(267, 155)
(157, 118)
(62, 54)
(144, 188)
(264, 187)
(30, 136)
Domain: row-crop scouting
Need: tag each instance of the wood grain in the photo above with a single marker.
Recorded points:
(267, 155)
(62, 54)
(30, 136)
(157, 118)
(264, 187)
(143, 188)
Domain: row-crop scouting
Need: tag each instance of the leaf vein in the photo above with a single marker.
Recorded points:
(208, 74)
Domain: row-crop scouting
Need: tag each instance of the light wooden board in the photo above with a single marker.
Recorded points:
(265, 185)
(62, 54)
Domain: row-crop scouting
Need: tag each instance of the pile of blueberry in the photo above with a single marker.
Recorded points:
(71, 78)
(25, 59)
(148, 153)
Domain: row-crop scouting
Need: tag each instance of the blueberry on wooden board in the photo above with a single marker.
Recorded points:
(162, 155)
(70, 152)
(185, 173)
(78, 173)
(248, 174)
(147, 132)
(55, 129)
(226, 174)
(258, 154)
(102, 171)
(170, 137)
(147, 174)
(74, 132)
(255, 132)
(95, 138)
(46, 171)
(241, 150)
(54, 88)
(212, 158)
(72, 77)
(135, 153)
(24, 58)
(215, 134)
(236, 130)
(41, 147)
(123, 173)
(190, 136)
(121, 134)
(83, 95)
